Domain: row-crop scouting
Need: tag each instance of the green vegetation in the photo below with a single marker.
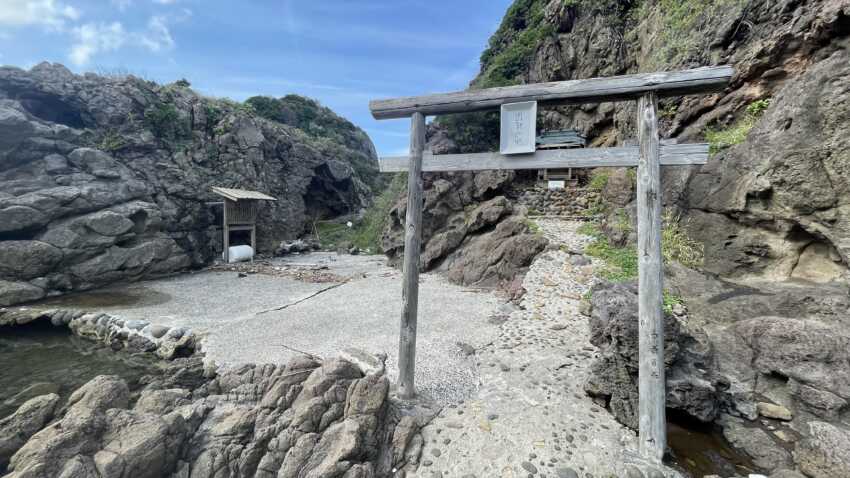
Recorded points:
(621, 261)
(598, 179)
(305, 114)
(668, 300)
(676, 245)
(165, 122)
(366, 234)
(736, 133)
(111, 141)
(513, 45)
(668, 110)
(214, 115)
(682, 26)
(533, 227)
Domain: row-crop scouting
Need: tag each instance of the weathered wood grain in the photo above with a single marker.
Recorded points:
(592, 90)
(651, 384)
(671, 155)
(412, 241)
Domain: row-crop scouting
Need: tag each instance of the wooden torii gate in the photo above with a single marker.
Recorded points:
(648, 156)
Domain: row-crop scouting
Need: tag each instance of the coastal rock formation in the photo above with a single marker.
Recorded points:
(119, 334)
(769, 364)
(30, 417)
(108, 178)
(305, 419)
(470, 228)
(692, 386)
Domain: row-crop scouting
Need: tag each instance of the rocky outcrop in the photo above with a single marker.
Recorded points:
(470, 229)
(772, 201)
(304, 419)
(768, 364)
(134, 336)
(692, 386)
(30, 417)
(776, 206)
(107, 179)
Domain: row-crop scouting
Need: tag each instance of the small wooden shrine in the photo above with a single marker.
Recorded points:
(563, 139)
(239, 214)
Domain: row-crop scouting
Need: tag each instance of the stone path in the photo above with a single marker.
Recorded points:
(530, 416)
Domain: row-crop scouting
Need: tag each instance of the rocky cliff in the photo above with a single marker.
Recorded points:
(773, 201)
(108, 178)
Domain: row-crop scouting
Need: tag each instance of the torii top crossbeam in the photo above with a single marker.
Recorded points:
(593, 90)
(648, 156)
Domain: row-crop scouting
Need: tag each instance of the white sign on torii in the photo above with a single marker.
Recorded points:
(648, 156)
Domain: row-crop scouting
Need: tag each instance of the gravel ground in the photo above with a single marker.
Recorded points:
(530, 416)
(364, 313)
(264, 318)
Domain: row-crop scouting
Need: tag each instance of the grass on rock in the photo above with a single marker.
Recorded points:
(621, 262)
(736, 133)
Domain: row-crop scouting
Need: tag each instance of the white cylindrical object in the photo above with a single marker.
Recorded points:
(239, 254)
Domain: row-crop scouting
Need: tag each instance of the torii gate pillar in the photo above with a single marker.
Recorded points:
(651, 384)
(412, 242)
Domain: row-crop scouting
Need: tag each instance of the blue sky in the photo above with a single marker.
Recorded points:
(342, 53)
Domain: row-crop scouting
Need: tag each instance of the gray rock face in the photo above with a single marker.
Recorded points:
(787, 342)
(305, 419)
(766, 452)
(691, 385)
(107, 179)
(826, 451)
(470, 229)
(30, 417)
(790, 178)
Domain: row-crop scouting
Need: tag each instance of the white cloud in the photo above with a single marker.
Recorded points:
(165, 2)
(157, 37)
(91, 39)
(49, 13)
(121, 4)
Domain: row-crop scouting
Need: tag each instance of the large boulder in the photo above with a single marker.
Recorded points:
(27, 259)
(17, 292)
(692, 386)
(777, 204)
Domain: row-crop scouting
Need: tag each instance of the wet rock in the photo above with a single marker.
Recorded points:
(766, 453)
